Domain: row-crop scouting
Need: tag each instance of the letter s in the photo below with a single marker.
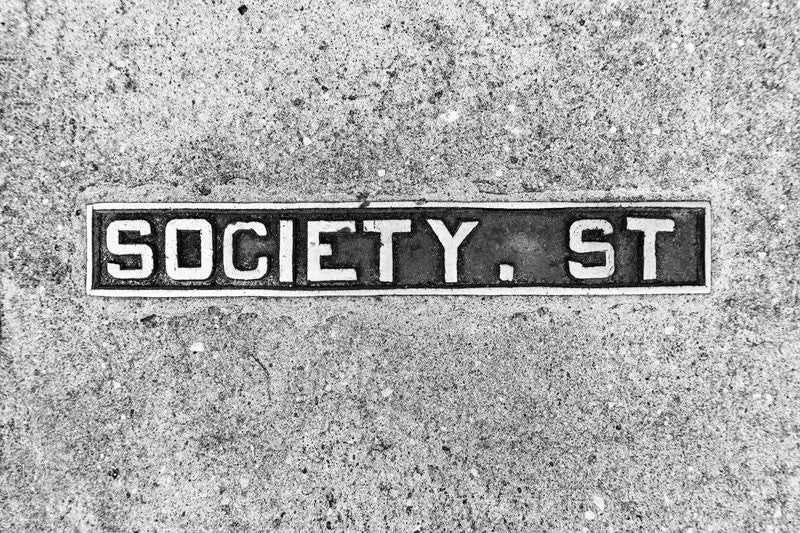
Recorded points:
(577, 244)
(142, 227)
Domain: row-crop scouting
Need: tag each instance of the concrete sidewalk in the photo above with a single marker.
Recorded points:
(674, 413)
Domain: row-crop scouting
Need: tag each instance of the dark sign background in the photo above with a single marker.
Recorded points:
(534, 241)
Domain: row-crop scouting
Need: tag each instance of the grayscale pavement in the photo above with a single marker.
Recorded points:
(620, 413)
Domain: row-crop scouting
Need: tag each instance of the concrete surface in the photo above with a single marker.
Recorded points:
(675, 413)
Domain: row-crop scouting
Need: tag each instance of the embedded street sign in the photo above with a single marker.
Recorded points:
(386, 248)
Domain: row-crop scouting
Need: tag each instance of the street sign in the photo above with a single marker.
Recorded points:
(395, 248)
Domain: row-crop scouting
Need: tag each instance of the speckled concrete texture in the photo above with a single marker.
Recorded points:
(673, 413)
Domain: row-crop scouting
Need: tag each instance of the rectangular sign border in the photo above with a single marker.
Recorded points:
(440, 291)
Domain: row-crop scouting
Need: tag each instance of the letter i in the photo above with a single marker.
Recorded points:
(286, 252)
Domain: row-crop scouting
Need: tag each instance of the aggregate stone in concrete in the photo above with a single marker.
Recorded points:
(674, 413)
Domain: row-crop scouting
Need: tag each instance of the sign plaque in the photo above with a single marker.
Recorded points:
(396, 248)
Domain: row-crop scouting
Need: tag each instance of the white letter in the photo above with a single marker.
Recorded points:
(450, 243)
(577, 244)
(177, 272)
(286, 252)
(387, 228)
(142, 227)
(316, 251)
(650, 227)
(227, 252)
